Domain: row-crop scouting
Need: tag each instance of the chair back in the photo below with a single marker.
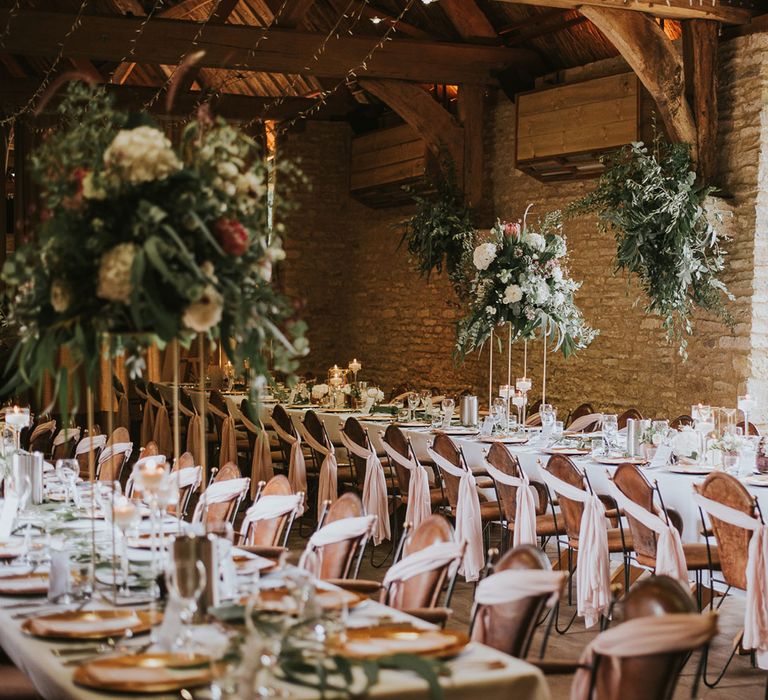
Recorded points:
(225, 511)
(584, 409)
(631, 481)
(281, 418)
(423, 590)
(354, 430)
(732, 541)
(112, 468)
(186, 459)
(653, 675)
(565, 470)
(229, 471)
(751, 428)
(269, 533)
(632, 413)
(316, 429)
(67, 444)
(447, 449)
(501, 458)
(509, 627)
(341, 560)
(42, 436)
(396, 439)
(680, 421)
(150, 449)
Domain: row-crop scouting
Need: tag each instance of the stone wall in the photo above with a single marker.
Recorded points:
(365, 300)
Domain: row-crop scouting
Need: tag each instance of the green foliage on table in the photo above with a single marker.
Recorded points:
(440, 234)
(650, 199)
(521, 280)
(148, 244)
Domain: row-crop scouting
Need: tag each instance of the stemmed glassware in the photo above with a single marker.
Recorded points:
(126, 515)
(548, 416)
(448, 406)
(518, 401)
(68, 470)
(187, 596)
(704, 424)
(17, 418)
(413, 404)
(498, 413)
(426, 401)
(610, 425)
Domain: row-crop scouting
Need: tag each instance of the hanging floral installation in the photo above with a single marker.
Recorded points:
(148, 244)
(521, 279)
(650, 200)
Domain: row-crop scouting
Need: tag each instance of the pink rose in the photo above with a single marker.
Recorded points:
(232, 235)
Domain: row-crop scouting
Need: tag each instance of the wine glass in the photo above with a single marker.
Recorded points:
(186, 595)
(518, 401)
(610, 425)
(448, 406)
(498, 409)
(558, 430)
(413, 404)
(126, 515)
(68, 470)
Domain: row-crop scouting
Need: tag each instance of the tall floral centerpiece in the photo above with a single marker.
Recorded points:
(522, 280)
(147, 243)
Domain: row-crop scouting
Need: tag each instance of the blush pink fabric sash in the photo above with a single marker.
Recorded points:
(261, 464)
(84, 445)
(469, 524)
(374, 488)
(118, 448)
(228, 451)
(338, 531)
(756, 609)
(220, 492)
(436, 556)
(584, 422)
(47, 427)
(188, 476)
(593, 569)
(270, 507)
(525, 504)
(670, 557)
(65, 435)
(516, 584)
(328, 479)
(419, 506)
(297, 467)
(643, 636)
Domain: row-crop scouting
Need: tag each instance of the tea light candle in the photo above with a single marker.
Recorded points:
(523, 384)
(355, 366)
(518, 399)
(152, 475)
(123, 512)
(746, 403)
(506, 391)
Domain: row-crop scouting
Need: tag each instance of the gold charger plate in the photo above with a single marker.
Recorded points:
(145, 673)
(39, 589)
(613, 461)
(567, 451)
(401, 639)
(490, 439)
(757, 480)
(693, 469)
(279, 600)
(45, 625)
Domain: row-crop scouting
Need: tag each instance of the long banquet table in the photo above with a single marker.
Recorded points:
(675, 488)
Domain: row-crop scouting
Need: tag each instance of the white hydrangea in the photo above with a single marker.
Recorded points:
(319, 390)
(542, 292)
(557, 274)
(536, 241)
(559, 247)
(114, 283)
(512, 294)
(484, 255)
(205, 313)
(141, 155)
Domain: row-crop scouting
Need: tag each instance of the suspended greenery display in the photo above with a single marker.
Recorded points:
(649, 198)
(440, 234)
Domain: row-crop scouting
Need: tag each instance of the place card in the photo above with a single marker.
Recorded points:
(662, 456)
(8, 515)
(58, 578)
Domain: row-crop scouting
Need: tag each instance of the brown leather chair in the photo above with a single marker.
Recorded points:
(584, 409)
(397, 440)
(419, 596)
(632, 413)
(112, 468)
(225, 511)
(186, 460)
(751, 428)
(618, 541)
(281, 418)
(547, 524)
(342, 560)
(489, 510)
(354, 430)
(680, 421)
(699, 556)
(314, 426)
(42, 441)
(269, 537)
(510, 627)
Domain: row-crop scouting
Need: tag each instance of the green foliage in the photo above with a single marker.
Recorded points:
(650, 200)
(193, 240)
(440, 234)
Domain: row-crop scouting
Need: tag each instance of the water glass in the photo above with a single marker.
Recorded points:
(68, 470)
(448, 406)
(548, 415)
(598, 447)
(558, 430)
(413, 404)
(610, 424)
(498, 412)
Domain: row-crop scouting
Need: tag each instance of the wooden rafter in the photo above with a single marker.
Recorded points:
(232, 47)
(440, 131)
(656, 62)
(470, 21)
(372, 12)
(471, 107)
(14, 92)
(674, 9)
(294, 13)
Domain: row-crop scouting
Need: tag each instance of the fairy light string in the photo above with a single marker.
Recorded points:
(11, 14)
(135, 38)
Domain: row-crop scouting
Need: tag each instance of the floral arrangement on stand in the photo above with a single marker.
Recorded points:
(521, 279)
(148, 243)
(650, 199)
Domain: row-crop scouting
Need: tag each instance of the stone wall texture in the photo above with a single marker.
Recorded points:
(364, 299)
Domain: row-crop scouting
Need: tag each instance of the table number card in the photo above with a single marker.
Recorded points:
(8, 515)
(662, 456)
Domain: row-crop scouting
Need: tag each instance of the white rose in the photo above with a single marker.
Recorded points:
(542, 292)
(90, 191)
(227, 170)
(205, 313)
(484, 255)
(686, 442)
(536, 241)
(512, 294)
(114, 282)
(558, 299)
(248, 183)
(141, 155)
(319, 390)
(557, 274)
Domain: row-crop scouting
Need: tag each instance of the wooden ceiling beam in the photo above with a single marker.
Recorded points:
(294, 13)
(536, 31)
(672, 9)
(14, 68)
(232, 47)
(14, 92)
(372, 12)
(656, 62)
(470, 21)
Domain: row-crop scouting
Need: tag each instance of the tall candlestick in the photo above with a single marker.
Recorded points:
(490, 374)
(525, 357)
(509, 372)
(544, 379)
